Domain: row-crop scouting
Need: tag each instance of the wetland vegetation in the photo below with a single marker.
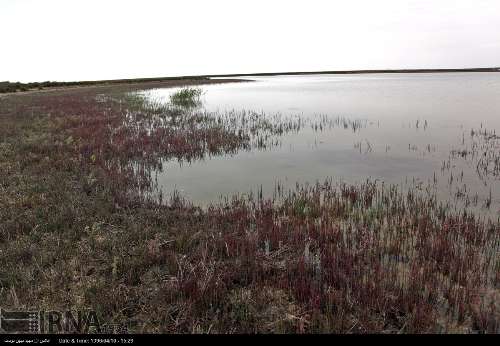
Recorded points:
(85, 223)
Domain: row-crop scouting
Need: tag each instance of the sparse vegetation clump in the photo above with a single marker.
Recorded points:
(187, 97)
(78, 231)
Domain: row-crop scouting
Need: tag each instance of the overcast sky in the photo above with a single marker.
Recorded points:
(107, 39)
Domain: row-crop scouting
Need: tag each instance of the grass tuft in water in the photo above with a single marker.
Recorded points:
(187, 97)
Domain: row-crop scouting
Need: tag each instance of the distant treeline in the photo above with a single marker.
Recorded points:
(6, 87)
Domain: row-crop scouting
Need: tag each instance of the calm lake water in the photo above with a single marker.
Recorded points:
(406, 128)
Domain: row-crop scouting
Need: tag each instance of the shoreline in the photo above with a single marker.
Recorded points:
(207, 79)
(169, 83)
(375, 71)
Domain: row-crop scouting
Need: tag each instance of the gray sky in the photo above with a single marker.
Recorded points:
(107, 39)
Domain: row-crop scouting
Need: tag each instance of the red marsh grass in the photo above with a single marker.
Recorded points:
(77, 231)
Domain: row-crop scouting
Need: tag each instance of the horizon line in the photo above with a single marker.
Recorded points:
(256, 74)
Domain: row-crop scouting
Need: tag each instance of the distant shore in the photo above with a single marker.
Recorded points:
(487, 69)
(11, 87)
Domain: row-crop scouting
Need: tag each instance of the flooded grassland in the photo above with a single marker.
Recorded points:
(289, 204)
